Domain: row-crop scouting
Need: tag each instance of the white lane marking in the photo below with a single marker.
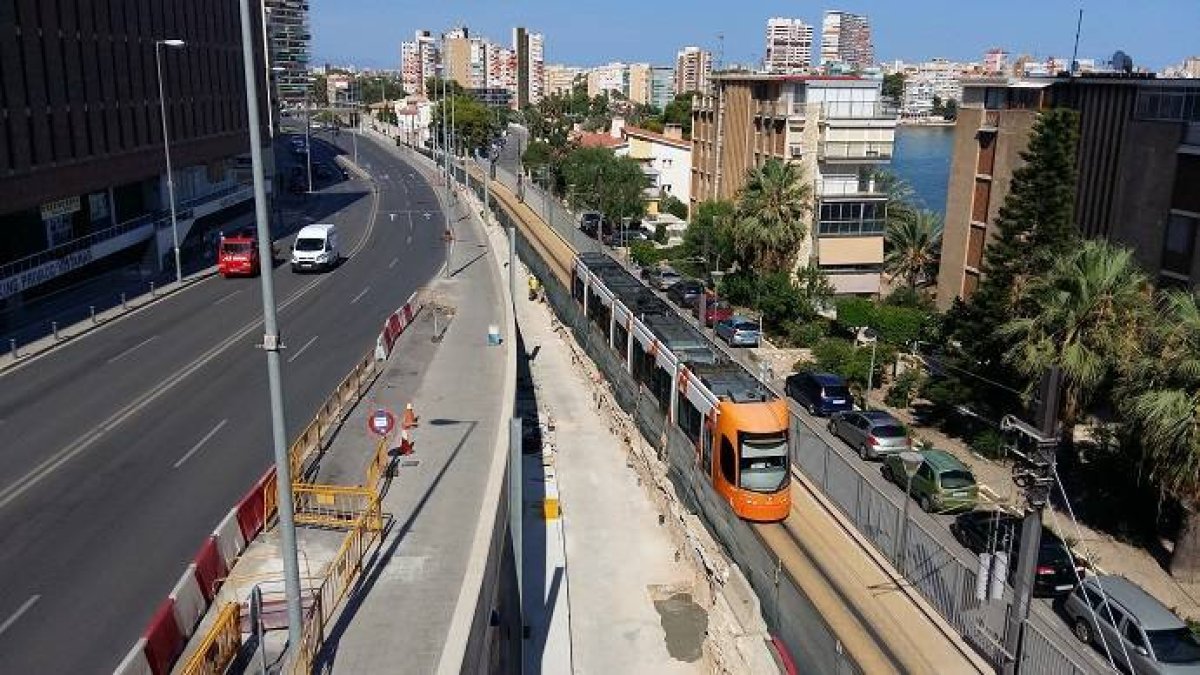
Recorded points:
(360, 294)
(226, 297)
(200, 443)
(17, 614)
(408, 239)
(393, 263)
(129, 351)
(300, 351)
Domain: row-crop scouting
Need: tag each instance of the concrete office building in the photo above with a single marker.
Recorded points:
(789, 45)
(639, 83)
(288, 38)
(836, 128)
(846, 40)
(456, 56)
(609, 78)
(662, 86)
(561, 79)
(1138, 169)
(693, 68)
(82, 167)
(419, 61)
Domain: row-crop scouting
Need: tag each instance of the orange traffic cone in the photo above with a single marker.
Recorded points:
(406, 444)
(410, 418)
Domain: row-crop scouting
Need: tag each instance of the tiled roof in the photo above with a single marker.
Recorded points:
(598, 140)
(657, 137)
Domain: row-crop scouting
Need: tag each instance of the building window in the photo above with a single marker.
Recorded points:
(852, 219)
(1179, 243)
(970, 283)
(975, 247)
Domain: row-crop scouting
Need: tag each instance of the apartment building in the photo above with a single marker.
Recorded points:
(662, 86)
(419, 61)
(639, 83)
(531, 66)
(995, 61)
(288, 38)
(1138, 169)
(456, 57)
(82, 167)
(934, 78)
(836, 127)
(666, 160)
(789, 45)
(846, 40)
(561, 79)
(693, 68)
(608, 78)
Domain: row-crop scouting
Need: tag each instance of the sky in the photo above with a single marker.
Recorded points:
(1155, 33)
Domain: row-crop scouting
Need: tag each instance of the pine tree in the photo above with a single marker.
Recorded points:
(1035, 225)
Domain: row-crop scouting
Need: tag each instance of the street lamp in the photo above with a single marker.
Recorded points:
(162, 103)
(911, 461)
(871, 335)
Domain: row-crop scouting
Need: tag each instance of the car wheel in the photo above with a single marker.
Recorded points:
(863, 452)
(812, 409)
(832, 428)
(926, 503)
(886, 472)
(1082, 631)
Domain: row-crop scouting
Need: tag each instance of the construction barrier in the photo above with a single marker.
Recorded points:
(221, 644)
(229, 539)
(188, 603)
(333, 506)
(164, 641)
(135, 662)
(394, 326)
(210, 568)
(379, 462)
(254, 510)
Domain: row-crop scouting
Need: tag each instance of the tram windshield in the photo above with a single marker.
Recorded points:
(764, 466)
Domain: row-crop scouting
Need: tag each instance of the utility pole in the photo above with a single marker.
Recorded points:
(1035, 475)
(272, 343)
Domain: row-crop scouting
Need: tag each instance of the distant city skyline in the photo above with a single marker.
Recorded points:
(1156, 33)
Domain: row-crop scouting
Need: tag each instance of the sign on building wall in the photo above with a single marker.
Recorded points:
(60, 207)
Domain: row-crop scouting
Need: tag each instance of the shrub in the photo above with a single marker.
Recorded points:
(899, 325)
(990, 443)
(739, 288)
(645, 253)
(901, 393)
(908, 297)
(855, 312)
(660, 233)
(778, 299)
(838, 355)
(806, 333)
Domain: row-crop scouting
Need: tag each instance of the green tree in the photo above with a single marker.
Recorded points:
(772, 210)
(1086, 315)
(672, 205)
(598, 180)
(1160, 395)
(950, 110)
(709, 235)
(475, 125)
(939, 108)
(893, 86)
(536, 155)
(1035, 226)
(913, 248)
(901, 198)
(319, 90)
(433, 88)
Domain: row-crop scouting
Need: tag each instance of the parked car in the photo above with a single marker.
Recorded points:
(715, 310)
(1141, 634)
(686, 292)
(821, 394)
(942, 483)
(323, 170)
(1057, 571)
(663, 277)
(872, 433)
(738, 331)
(590, 223)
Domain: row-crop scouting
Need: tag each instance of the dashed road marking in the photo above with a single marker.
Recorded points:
(199, 444)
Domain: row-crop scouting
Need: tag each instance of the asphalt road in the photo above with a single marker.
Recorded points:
(123, 449)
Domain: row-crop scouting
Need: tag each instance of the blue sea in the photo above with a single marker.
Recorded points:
(922, 159)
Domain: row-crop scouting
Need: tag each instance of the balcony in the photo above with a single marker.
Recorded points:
(991, 121)
(855, 151)
(858, 110)
(777, 109)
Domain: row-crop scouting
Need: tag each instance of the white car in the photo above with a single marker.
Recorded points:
(316, 248)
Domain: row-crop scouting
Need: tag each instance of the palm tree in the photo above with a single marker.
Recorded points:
(1161, 398)
(772, 210)
(901, 198)
(914, 246)
(1085, 314)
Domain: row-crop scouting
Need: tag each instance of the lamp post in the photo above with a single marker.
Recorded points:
(911, 461)
(162, 103)
(873, 337)
(308, 130)
(272, 343)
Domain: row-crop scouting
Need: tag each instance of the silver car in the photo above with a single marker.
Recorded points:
(870, 432)
(1138, 631)
(738, 331)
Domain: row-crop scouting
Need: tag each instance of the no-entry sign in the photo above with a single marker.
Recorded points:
(381, 422)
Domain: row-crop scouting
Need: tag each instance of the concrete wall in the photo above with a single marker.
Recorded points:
(1144, 186)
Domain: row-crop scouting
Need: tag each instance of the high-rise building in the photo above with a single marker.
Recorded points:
(419, 61)
(938, 78)
(531, 66)
(456, 56)
(609, 78)
(662, 86)
(789, 45)
(846, 40)
(1138, 165)
(639, 83)
(502, 68)
(561, 79)
(287, 45)
(995, 61)
(836, 128)
(84, 184)
(693, 67)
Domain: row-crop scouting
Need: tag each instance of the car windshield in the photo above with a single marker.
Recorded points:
(957, 479)
(236, 247)
(1177, 645)
(888, 431)
(764, 464)
(308, 244)
(835, 391)
(747, 325)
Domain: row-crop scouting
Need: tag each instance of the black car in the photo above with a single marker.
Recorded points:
(820, 393)
(686, 293)
(994, 531)
(590, 223)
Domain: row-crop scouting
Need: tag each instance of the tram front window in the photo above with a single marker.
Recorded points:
(764, 465)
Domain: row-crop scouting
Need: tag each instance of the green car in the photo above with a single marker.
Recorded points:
(941, 484)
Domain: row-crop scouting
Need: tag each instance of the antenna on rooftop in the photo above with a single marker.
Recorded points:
(720, 50)
(1075, 51)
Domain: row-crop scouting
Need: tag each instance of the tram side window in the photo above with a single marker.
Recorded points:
(728, 462)
(643, 363)
(690, 419)
(620, 339)
(660, 386)
(577, 290)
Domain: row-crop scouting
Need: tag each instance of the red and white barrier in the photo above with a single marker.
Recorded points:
(135, 662)
(164, 640)
(188, 603)
(229, 538)
(394, 326)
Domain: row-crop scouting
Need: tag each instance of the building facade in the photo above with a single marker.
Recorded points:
(608, 78)
(1138, 169)
(840, 132)
(662, 86)
(419, 61)
(846, 40)
(666, 159)
(639, 83)
(288, 38)
(789, 45)
(82, 166)
(693, 68)
(531, 66)
(561, 80)
(934, 78)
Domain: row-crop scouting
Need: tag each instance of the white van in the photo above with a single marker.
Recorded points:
(316, 247)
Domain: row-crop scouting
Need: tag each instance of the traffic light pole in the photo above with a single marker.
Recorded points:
(1037, 482)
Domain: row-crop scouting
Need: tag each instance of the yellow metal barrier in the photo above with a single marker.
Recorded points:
(335, 506)
(379, 462)
(220, 644)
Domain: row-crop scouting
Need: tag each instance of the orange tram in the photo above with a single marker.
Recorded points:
(740, 430)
